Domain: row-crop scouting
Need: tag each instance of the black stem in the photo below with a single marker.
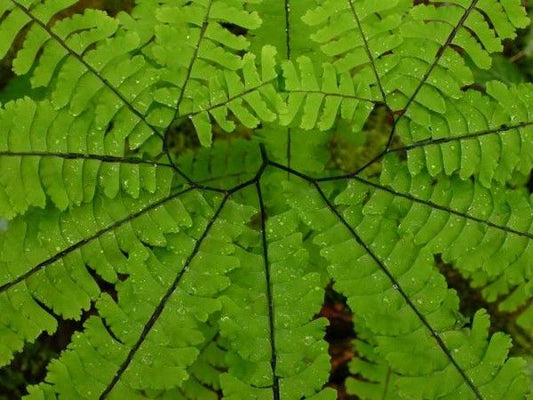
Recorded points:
(269, 296)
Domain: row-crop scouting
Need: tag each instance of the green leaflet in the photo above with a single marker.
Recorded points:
(17, 18)
(379, 381)
(231, 163)
(318, 104)
(199, 274)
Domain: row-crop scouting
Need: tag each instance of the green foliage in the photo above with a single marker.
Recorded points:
(200, 275)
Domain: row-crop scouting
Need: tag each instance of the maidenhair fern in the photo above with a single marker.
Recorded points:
(200, 274)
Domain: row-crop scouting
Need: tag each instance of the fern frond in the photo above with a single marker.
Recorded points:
(480, 136)
(213, 78)
(415, 72)
(318, 101)
(79, 56)
(277, 345)
(417, 314)
(485, 234)
(357, 34)
(247, 95)
(64, 158)
(430, 69)
(151, 316)
(284, 28)
(33, 268)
